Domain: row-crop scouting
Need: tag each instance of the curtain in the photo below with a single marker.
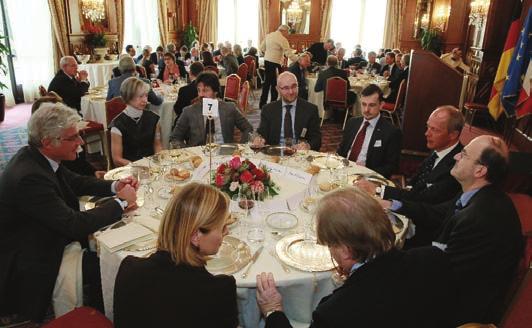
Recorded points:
(264, 24)
(119, 5)
(208, 20)
(394, 22)
(141, 28)
(326, 14)
(163, 22)
(60, 28)
(239, 19)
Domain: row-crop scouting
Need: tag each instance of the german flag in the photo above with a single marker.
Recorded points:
(495, 105)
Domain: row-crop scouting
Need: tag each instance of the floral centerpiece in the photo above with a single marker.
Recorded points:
(244, 176)
(95, 37)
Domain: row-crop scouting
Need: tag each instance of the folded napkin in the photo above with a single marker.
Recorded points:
(119, 238)
(148, 222)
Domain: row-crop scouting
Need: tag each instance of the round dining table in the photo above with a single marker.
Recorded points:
(302, 290)
(99, 73)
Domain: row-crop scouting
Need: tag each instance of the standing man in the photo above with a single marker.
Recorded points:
(299, 69)
(320, 51)
(290, 117)
(274, 47)
(370, 140)
(70, 84)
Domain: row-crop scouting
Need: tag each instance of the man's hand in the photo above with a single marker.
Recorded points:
(268, 298)
(83, 75)
(131, 181)
(385, 74)
(259, 141)
(99, 174)
(365, 185)
(302, 146)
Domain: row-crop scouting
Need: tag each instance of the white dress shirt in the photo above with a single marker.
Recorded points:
(441, 154)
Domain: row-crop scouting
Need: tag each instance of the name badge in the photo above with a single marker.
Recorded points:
(378, 143)
(298, 175)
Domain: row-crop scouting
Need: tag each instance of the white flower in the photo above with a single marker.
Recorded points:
(234, 186)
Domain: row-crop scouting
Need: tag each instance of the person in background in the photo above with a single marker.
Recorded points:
(454, 59)
(172, 69)
(188, 93)
(172, 286)
(340, 54)
(237, 51)
(320, 51)
(299, 69)
(229, 61)
(194, 55)
(392, 73)
(405, 65)
(371, 65)
(332, 71)
(184, 54)
(135, 133)
(157, 57)
(204, 47)
(142, 54)
(130, 50)
(218, 51)
(207, 59)
(145, 62)
(383, 287)
(357, 60)
(70, 84)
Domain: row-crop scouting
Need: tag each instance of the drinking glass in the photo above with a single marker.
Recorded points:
(239, 212)
(146, 190)
(171, 77)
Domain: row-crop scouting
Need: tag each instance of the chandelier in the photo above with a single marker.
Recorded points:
(294, 13)
(93, 10)
(479, 11)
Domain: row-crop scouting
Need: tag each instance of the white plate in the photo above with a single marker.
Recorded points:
(281, 220)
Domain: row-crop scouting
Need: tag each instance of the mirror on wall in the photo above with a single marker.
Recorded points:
(94, 12)
(423, 15)
(296, 14)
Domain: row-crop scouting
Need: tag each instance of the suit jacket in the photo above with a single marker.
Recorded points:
(319, 54)
(324, 75)
(357, 61)
(396, 289)
(114, 89)
(343, 64)
(484, 244)
(385, 158)
(306, 117)
(71, 90)
(184, 97)
(440, 186)
(155, 292)
(375, 66)
(40, 216)
(192, 123)
(395, 79)
(301, 81)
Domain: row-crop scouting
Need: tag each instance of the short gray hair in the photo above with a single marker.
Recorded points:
(126, 64)
(170, 47)
(49, 122)
(64, 61)
(283, 28)
(130, 87)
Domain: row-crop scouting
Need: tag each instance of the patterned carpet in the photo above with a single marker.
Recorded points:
(11, 140)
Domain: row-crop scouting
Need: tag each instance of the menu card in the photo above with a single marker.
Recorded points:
(127, 235)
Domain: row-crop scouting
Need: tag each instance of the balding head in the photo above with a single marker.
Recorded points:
(332, 61)
(287, 86)
(443, 128)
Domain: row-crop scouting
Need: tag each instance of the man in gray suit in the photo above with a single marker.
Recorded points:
(127, 67)
(191, 125)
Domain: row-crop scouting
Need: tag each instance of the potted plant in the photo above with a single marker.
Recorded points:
(96, 39)
(431, 40)
(4, 51)
(190, 35)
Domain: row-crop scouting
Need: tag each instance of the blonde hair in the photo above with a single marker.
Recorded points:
(352, 218)
(131, 86)
(197, 207)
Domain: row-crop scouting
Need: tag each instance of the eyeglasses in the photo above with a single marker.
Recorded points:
(288, 88)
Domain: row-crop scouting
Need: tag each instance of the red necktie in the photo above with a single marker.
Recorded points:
(359, 140)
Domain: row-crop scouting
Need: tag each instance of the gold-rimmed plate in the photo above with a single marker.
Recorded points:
(305, 255)
(177, 155)
(279, 151)
(329, 162)
(124, 172)
(376, 179)
(232, 256)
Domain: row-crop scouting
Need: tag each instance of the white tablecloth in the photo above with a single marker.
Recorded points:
(99, 73)
(301, 291)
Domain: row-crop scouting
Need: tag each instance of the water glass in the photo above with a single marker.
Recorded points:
(239, 212)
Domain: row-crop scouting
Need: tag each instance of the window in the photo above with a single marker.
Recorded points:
(358, 22)
(141, 25)
(238, 22)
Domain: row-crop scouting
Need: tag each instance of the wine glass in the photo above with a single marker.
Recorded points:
(171, 78)
(239, 212)
(144, 178)
(332, 163)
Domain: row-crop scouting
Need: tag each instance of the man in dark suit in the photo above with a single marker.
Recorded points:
(299, 69)
(357, 60)
(342, 63)
(157, 57)
(371, 140)
(332, 71)
(290, 117)
(392, 73)
(405, 65)
(190, 91)
(384, 287)
(320, 51)
(193, 124)
(371, 65)
(41, 217)
(479, 229)
(433, 182)
(70, 84)
(127, 68)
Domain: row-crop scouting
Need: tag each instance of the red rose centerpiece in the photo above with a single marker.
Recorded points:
(244, 176)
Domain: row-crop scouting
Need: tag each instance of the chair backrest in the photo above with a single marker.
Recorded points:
(336, 91)
(42, 91)
(400, 100)
(82, 317)
(250, 61)
(243, 98)
(519, 314)
(212, 69)
(523, 205)
(113, 107)
(243, 72)
(232, 87)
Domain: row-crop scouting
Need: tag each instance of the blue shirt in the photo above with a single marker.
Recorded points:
(293, 114)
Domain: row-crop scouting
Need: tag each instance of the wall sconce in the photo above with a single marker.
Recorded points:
(441, 16)
(479, 11)
(93, 10)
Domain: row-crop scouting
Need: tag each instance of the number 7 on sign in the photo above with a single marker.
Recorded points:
(210, 107)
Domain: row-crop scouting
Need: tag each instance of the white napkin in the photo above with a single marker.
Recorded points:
(119, 238)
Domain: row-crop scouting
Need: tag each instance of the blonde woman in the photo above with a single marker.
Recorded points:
(237, 51)
(172, 288)
(135, 133)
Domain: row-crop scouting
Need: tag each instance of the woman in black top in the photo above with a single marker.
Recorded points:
(172, 288)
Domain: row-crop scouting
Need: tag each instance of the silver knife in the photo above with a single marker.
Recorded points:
(253, 259)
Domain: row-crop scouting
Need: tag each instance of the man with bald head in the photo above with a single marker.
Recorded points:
(69, 83)
(290, 117)
(332, 71)
(479, 230)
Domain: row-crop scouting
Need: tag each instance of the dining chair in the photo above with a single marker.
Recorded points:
(391, 110)
(82, 317)
(113, 107)
(232, 88)
(243, 97)
(336, 96)
(242, 72)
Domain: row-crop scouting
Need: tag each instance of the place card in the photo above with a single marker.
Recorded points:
(277, 205)
(298, 175)
(200, 172)
(273, 167)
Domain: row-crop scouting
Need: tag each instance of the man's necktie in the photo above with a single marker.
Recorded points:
(288, 132)
(458, 205)
(359, 140)
(427, 168)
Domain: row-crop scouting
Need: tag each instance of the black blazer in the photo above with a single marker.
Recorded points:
(443, 186)
(396, 289)
(306, 117)
(375, 66)
(155, 292)
(395, 79)
(324, 75)
(184, 97)
(40, 216)
(484, 243)
(301, 81)
(71, 90)
(383, 159)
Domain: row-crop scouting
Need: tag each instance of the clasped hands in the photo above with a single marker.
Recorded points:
(127, 189)
(82, 75)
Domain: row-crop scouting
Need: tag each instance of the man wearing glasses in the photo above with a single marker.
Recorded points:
(291, 121)
(70, 84)
(41, 221)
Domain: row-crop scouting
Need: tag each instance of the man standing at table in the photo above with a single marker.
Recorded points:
(479, 229)
(41, 219)
(320, 51)
(299, 69)
(290, 118)
(371, 140)
(70, 84)
(274, 47)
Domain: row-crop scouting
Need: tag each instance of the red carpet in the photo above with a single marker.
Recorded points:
(16, 116)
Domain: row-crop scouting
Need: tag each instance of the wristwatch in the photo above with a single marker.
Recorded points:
(123, 203)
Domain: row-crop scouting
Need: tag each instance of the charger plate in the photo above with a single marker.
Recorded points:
(279, 151)
(335, 162)
(178, 155)
(123, 172)
(376, 179)
(232, 256)
(304, 255)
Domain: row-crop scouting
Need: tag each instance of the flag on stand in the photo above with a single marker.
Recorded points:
(518, 69)
(524, 103)
(495, 105)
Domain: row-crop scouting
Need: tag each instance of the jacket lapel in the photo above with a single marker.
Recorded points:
(376, 135)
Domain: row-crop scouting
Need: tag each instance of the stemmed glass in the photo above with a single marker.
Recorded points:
(171, 78)
(144, 178)
(332, 163)
(238, 211)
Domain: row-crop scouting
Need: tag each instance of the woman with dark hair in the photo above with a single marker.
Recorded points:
(207, 59)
